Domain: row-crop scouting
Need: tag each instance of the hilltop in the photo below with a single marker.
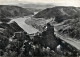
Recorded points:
(13, 11)
(34, 7)
(60, 13)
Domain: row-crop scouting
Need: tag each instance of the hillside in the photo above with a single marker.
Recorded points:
(68, 19)
(70, 27)
(60, 13)
(13, 11)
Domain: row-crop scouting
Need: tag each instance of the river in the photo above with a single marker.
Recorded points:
(21, 22)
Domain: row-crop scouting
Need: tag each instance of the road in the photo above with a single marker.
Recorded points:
(21, 22)
(69, 40)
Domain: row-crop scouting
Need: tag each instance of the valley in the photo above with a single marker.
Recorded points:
(49, 32)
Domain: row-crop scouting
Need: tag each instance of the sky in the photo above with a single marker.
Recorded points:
(55, 2)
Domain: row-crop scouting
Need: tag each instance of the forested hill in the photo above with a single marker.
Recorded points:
(60, 13)
(13, 11)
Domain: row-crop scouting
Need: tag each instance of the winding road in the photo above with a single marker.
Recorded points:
(72, 42)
